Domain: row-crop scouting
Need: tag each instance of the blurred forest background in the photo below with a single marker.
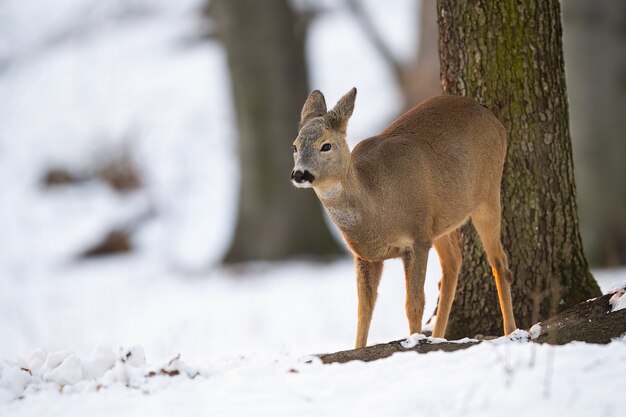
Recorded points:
(165, 128)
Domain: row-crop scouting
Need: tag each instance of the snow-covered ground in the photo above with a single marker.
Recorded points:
(166, 330)
(243, 337)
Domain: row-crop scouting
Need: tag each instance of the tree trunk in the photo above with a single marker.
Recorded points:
(265, 48)
(595, 58)
(508, 56)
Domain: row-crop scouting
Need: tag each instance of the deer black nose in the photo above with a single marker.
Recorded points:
(299, 176)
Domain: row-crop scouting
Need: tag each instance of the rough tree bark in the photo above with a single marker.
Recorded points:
(591, 321)
(508, 56)
(265, 47)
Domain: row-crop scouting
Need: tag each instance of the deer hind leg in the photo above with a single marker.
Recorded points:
(449, 249)
(367, 279)
(487, 223)
(415, 260)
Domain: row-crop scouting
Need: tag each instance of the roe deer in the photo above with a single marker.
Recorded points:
(410, 187)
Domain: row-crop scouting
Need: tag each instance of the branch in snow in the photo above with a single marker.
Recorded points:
(594, 321)
(372, 353)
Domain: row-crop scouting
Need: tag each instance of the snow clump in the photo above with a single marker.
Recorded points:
(618, 301)
(66, 372)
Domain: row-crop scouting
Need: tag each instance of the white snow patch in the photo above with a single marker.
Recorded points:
(618, 301)
(66, 372)
(416, 338)
(413, 340)
(518, 336)
(102, 359)
(535, 331)
(13, 381)
(464, 340)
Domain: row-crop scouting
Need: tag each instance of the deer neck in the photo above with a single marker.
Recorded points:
(344, 200)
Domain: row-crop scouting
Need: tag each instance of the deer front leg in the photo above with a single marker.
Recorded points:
(367, 279)
(415, 260)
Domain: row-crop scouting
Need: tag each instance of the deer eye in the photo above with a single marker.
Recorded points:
(295, 149)
(326, 147)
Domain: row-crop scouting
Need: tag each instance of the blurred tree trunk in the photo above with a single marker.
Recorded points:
(421, 79)
(417, 79)
(508, 55)
(265, 48)
(595, 59)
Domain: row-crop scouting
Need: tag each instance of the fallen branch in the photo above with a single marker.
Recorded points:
(372, 353)
(591, 321)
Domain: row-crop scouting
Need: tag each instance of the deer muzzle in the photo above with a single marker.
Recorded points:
(302, 177)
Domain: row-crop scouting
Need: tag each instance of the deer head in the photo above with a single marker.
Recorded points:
(320, 152)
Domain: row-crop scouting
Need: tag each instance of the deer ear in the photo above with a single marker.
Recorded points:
(340, 114)
(314, 106)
